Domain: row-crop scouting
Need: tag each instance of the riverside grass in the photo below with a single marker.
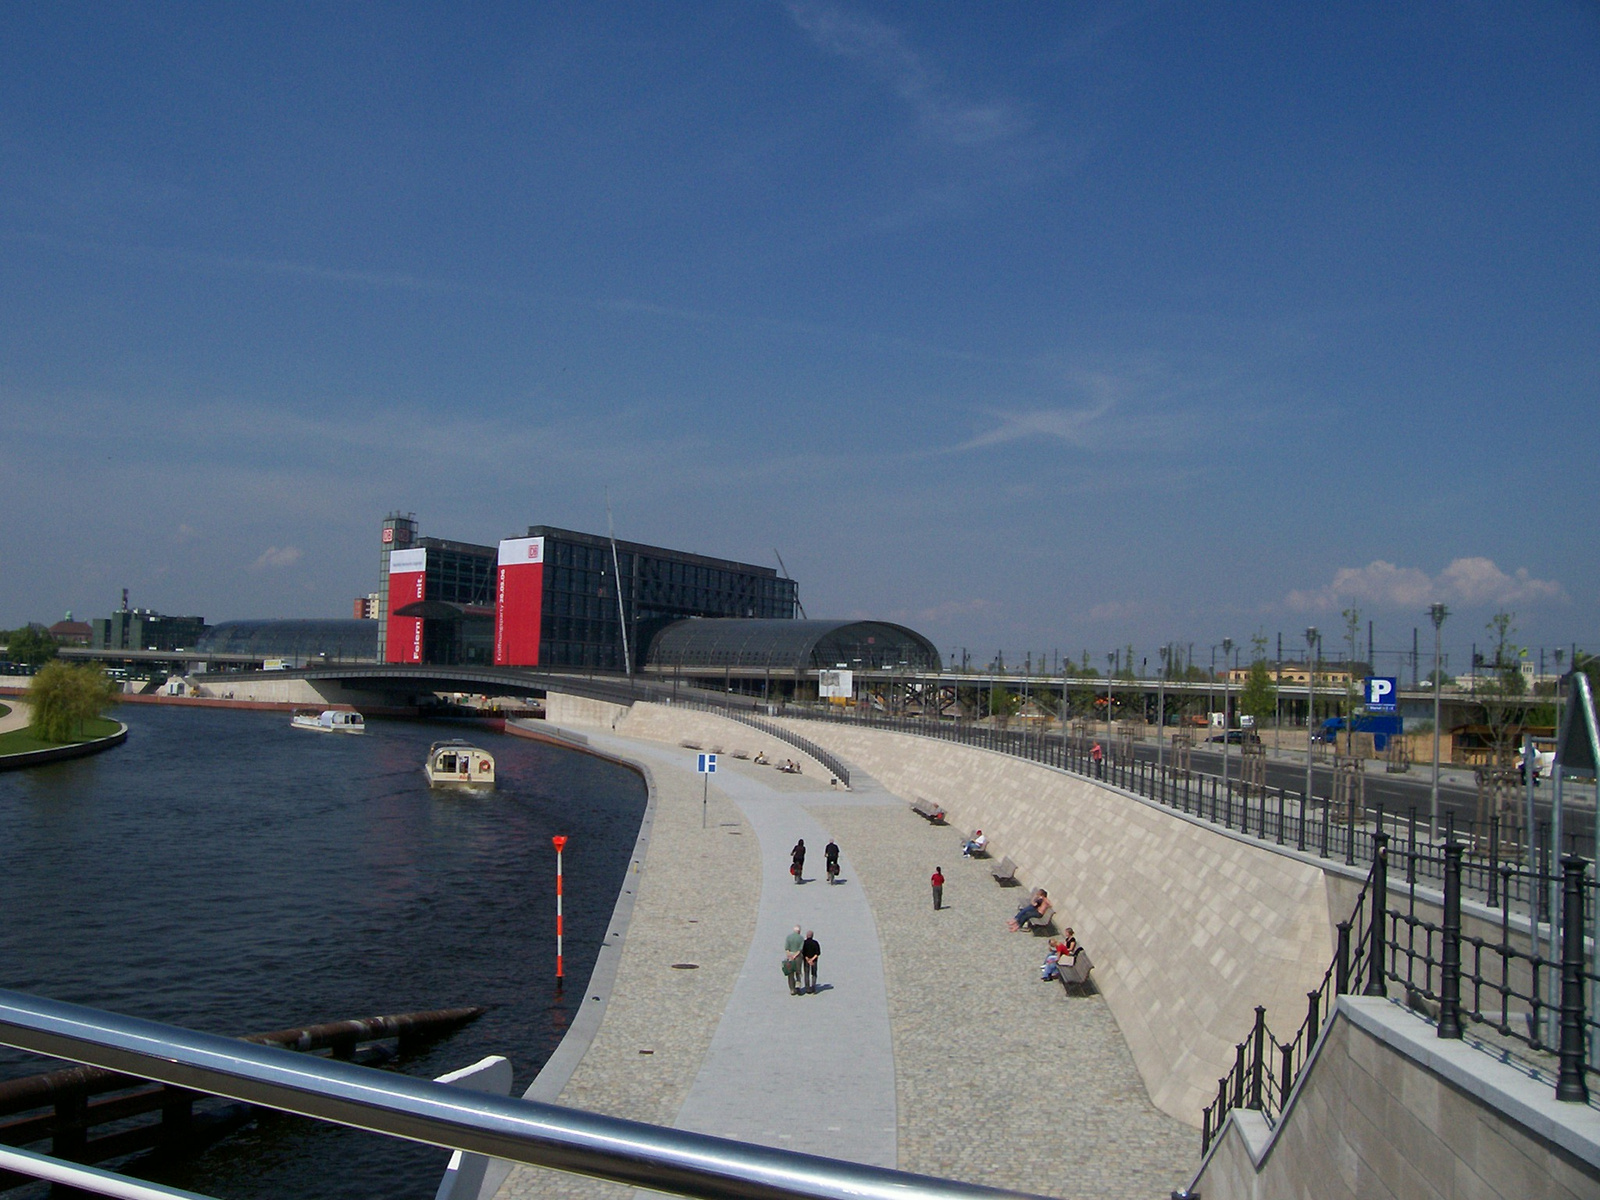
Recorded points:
(22, 741)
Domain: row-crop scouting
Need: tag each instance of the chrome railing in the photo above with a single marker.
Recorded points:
(421, 1110)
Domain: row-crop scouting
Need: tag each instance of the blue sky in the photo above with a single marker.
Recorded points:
(1034, 326)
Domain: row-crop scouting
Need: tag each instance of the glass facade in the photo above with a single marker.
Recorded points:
(778, 647)
(579, 622)
(341, 640)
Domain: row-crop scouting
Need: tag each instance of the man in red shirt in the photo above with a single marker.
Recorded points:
(938, 889)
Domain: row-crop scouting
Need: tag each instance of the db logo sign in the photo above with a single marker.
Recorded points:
(1382, 693)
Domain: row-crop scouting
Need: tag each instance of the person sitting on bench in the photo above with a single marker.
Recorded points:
(1035, 909)
(979, 841)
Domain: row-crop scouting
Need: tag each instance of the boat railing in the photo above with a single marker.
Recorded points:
(422, 1110)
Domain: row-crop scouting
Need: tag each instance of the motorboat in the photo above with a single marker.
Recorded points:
(458, 764)
(329, 720)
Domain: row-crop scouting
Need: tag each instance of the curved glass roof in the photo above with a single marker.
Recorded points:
(779, 645)
(344, 639)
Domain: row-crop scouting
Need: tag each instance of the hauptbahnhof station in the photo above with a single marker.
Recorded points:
(559, 599)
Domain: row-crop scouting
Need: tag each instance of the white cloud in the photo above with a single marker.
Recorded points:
(884, 49)
(276, 556)
(1466, 581)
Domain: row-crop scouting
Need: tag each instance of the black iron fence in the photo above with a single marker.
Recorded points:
(1495, 856)
(1500, 984)
(1501, 978)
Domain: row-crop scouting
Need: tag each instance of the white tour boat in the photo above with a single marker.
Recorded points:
(329, 720)
(459, 764)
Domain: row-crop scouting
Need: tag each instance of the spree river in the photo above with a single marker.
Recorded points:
(224, 872)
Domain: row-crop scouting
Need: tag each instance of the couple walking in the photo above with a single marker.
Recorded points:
(800, 956)
(797, 861)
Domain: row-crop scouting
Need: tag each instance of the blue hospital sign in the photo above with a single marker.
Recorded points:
(1383, 694)
(707, 764)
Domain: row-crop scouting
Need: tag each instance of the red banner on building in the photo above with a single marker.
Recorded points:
(407, 585)
(519, 602)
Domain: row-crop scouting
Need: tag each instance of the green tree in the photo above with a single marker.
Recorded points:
(64, 696)
(1500, 701)
(1259, 696)
(1004, 703)
(30, 646)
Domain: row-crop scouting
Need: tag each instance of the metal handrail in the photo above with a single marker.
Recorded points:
(421, 1110)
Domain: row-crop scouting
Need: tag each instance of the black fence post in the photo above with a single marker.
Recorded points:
(1571, 1085)
(1494, 860)
(1285, 1075)
(1341, 962)
(1300, 832)
(1376, 984)
(1258, 1053)
(1450, 951)
(1238, 1075)
(1325, 809)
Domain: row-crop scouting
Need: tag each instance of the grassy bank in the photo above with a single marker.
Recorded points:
(21, 741)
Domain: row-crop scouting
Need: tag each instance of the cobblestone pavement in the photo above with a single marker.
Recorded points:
(697, 901)
(1002, 1079)
(998, 1078)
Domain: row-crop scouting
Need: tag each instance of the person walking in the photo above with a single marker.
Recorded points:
(830, 856)
(791, 960)
(810, 951)
(797, 859)
(1098, 757)
(937, 880)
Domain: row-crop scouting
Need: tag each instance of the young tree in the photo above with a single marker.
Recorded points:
(1259, 697)
(1500, 697)
(63, 697)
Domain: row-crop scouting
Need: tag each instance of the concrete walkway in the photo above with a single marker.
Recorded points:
(933, 1047)
(17, 718)
(812, 1073)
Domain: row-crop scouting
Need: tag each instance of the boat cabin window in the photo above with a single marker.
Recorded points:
(447, 762)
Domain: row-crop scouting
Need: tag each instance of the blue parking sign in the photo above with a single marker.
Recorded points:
(1383, 694)
(707, 764)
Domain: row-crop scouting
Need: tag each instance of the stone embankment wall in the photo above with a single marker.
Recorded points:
(1189, 929)
(1387, 1109)
(673, 725)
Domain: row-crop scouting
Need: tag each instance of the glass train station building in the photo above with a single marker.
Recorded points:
(566, 600)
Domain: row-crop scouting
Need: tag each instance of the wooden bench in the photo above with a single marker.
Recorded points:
(1045, 923)
(1077, 975)
(1004, 871)
(928, 810)
(982, 852)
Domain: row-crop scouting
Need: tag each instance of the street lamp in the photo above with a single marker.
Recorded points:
(1227, 648)
(1312, 639)
(1161, 714)
(1111, 662)
(1436, 613)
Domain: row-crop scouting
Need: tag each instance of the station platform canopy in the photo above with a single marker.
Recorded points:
(336, 638)
(787, 647)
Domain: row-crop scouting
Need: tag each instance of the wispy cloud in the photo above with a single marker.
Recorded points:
(1466, 581)
(276, 556)
(942, 114)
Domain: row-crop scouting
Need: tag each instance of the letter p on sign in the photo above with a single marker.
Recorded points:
(1382, 693)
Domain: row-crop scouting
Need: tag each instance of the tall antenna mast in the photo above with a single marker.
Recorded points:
(616, 569)
(790, 577)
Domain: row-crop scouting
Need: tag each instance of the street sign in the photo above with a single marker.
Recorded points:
(708, 764)
(1382, 694)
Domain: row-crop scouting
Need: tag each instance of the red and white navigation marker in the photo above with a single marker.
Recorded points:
(559, 843)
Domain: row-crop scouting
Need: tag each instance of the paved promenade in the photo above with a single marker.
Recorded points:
(933, 1046)
(17, 718)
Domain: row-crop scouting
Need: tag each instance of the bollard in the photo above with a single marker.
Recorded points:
(1376, 949)
(1286, 1076)
(1450, 951)
(1571, 1085)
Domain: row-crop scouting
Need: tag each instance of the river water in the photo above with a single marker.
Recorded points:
(224, 872)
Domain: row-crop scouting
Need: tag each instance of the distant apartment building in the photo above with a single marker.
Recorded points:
(1295, 674)
(366, 607)
(142, 629)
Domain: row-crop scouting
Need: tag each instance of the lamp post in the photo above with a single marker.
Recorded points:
(1437, 614)
(1161, 715)
(1312, 638)
(1111, 671)
(1227, 648)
